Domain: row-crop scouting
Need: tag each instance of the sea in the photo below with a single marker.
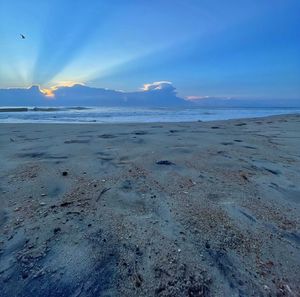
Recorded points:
(131, 114)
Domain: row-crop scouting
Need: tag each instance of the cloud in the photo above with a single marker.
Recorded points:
(159, 85)
(199, 98)
(50, 92)
(191, 98)
(69, 93)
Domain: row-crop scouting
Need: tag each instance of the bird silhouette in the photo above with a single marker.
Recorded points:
(22, 36)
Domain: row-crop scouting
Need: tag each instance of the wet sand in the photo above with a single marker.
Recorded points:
(179, 209)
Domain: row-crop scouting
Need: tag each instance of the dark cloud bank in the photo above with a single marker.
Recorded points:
(80, 95)
(161, 94)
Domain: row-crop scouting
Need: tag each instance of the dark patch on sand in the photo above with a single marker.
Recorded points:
(102, 154)
(140, 132)
(34, 155)
(164, 162)
(31, 139)
(228, 270)
(88, 131)
(57, 157)
(126, 185)
(292, 236)
(107, 136)
(106, 158)
(40, 155)
(275, 172)
(251, 218)
(73, 141)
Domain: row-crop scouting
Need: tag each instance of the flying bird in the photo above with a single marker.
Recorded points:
(22, 36)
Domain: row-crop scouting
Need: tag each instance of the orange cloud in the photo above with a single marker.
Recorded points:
(49, 92)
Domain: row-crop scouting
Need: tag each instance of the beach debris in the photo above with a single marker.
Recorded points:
(244, 176)
(72, 141)
(102, 192)
(275, 172)
(138, 280)
(106, 136)
(164, 162)
(56, 230)
(73, 213)
(250, 147)
(24, 274)
(64, 173)
(140, 132)
(67, 203)
(240, 124)
(215, 127)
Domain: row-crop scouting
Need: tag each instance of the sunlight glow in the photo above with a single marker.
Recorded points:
(50, 92)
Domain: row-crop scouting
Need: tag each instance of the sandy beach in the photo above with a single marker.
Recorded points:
(166, 209)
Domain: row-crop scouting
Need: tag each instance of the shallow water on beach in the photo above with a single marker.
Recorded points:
(137, 115)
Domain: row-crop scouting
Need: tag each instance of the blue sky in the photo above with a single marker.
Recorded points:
(242, 48)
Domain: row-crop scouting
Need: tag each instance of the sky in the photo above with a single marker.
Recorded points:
(206, 48)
